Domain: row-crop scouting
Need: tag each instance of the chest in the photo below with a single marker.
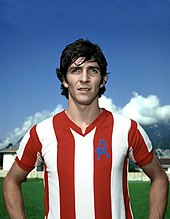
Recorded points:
(100, 151)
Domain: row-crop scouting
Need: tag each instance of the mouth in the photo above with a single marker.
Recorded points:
(84, 89)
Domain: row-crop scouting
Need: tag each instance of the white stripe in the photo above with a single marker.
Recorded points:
(84, 171)
(48, 140)
(119, 151)
(21, 148)
(145, 137)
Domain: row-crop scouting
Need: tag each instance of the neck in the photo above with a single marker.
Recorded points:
(83, 115)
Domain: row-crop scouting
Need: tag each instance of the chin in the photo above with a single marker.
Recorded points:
(84, 99)
(86, 102)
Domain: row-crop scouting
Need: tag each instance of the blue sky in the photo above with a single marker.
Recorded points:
(134, 36)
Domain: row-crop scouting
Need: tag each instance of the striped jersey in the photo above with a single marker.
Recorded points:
(85, 174)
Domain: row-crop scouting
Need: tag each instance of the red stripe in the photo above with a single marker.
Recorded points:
(141, 156)
(65, 164)
(125, 191)
(46, 192)
(31, 149)
(140, 150)
(102, 169)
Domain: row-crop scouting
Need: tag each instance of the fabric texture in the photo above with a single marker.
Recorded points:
(85, 174)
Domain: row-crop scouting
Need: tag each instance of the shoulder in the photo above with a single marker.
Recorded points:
(40, 131)
(49, 120)
(120, 119)
(43, 125)
(123, 122)
(116, 115)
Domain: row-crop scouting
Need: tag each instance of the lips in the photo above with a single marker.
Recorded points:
(84, 89)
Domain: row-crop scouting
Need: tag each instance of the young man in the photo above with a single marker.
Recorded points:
(85, 150)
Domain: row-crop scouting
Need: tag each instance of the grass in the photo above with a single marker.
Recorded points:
(33, 196)
(139, 194)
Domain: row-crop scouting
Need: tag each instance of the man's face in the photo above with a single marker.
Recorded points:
(83, 81)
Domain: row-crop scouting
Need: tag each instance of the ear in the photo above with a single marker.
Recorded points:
(65, 84)
(104, 81)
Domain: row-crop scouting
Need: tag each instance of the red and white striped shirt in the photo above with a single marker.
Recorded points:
(85, 174)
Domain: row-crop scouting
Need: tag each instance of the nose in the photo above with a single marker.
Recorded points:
(84, 76)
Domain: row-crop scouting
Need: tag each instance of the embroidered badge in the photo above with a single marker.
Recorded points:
(101, 149)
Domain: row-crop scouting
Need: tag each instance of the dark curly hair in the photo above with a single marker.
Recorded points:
(75, 50)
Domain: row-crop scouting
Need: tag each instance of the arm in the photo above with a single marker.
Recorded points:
(12, 192)
(158, 197)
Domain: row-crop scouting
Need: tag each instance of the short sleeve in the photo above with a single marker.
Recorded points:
(140, 146)
(29, 152)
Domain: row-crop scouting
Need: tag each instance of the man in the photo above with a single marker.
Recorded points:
(85, 150)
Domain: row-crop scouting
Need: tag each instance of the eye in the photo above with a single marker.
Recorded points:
(75, 70)
(94, 70)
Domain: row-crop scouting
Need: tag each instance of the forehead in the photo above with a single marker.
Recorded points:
(80, 62)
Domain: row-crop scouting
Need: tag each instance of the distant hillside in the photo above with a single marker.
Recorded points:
(160, 136)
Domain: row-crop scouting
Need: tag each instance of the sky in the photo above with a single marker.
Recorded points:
(133, 34)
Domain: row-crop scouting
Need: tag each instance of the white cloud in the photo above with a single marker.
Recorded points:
(145, 110)
(18, 133)
(108, 104)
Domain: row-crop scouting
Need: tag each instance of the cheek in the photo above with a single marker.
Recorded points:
(99, 83)
(68, 82)
(97, 87)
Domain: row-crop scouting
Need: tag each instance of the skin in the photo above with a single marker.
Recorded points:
(12, 192)
(158, 197)
(83, 83)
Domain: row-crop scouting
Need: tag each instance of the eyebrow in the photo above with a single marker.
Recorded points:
(80, 67)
